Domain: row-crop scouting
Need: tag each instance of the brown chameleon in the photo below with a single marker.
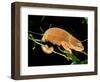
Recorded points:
(60, 37)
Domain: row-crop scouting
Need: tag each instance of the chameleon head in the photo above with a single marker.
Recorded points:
(76, 45)
(73, 44)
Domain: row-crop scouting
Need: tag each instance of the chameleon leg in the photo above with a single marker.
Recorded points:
(66, 47)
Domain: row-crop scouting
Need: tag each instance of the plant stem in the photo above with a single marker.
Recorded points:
(35, 33)
(36, 41)
(68, 58)
(84, 53)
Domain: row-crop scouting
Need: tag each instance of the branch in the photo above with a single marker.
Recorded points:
(36, 41)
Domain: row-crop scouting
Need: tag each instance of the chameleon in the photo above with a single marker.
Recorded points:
(61, 37)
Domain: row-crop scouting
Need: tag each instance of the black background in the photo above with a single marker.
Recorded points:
(77, 26)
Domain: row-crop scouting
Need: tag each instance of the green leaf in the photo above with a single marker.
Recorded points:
(83, 62)
(75, 60)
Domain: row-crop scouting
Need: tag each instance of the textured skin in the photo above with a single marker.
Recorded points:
(55, 35)
(59, 37)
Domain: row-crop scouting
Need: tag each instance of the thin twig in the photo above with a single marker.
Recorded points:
(42, 18)
(50, 25)
(68, 58)
(41, 29)
(64, 51)
(84, 40)
(84, 52)
(35, 33)
(31, 38)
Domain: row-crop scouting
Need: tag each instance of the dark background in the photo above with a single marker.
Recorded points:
(77, 26)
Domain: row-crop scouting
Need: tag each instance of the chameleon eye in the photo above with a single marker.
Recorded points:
(79, 45)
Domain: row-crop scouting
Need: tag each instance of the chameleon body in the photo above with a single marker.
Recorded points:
(60, 37)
